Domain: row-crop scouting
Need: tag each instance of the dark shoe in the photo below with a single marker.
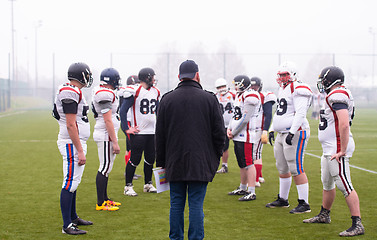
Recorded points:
(357, 228)
(238, 191)
(279, 202)
(322, 217)
(73, 230)
(78, 221)
(302, 207)
(248, 197)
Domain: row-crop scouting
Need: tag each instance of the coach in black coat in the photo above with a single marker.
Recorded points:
(190, 136)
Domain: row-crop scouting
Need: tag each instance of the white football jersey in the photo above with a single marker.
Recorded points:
(328, 130)
(104, 95)
(265, 97)
(293, 104)
(227, 105)
(249, 97)
(143, 110)
(69, 93)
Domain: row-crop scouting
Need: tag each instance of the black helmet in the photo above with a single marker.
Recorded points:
(132, 80)
(256, 81)
(80, 72)
(110, 76)
(329, 77)
(146, 75)
(242, 82)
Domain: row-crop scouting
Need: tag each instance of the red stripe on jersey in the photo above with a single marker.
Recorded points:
(336, 121)
(339, 91)
(292, 87)
(73, 90)
(158, 91)
(304, 87)
(247, 132)
(252, 95)
(107, 90)
(134, 105)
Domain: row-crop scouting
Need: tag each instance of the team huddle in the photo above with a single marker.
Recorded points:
(248, 120)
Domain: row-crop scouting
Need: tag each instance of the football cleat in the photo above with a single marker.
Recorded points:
(248, 197)
(112, 203)
(261, 180)
(279, 202)
(223, 169)
(238, 191)
(149, 188)
(302, 207)
(78, 221)
(257, 184)
(106, 207)
(356, 229)
(322, 217)
(129, 190)
(72, 230)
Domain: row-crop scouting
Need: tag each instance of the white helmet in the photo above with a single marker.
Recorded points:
(286, 73)
(221, 86)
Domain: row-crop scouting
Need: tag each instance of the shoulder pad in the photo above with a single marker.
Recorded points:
(129, 91)
(251, 97)
(303, 89)
(70, 92)
(269, 97)
(104, 95)
(338, 95)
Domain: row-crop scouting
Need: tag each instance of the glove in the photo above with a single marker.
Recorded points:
(271, 137)
(288, 139)
(264, 138)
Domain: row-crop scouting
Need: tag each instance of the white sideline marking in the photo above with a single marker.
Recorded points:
(360, 168)
(10, 114)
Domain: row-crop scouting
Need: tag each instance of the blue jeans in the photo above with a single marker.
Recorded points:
(196, 194)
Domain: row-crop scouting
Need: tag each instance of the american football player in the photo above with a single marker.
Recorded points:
(264, 117)
(242, 130)
(334, 133)
(226, 100)
(293, 133)
(142, 101)
(105, 109)
(70, 110)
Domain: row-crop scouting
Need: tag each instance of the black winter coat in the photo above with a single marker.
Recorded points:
(190, 133)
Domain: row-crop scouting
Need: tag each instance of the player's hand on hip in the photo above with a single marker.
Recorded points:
(289, 138)
(82, 158)
(271, 137)
(264, 137)
(116, 148)
(133, 130)
(338, 156)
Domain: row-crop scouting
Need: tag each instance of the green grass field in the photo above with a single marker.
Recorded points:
(31, 178)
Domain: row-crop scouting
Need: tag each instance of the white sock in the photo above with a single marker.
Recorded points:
(251, 189)
(243, 186)
(303, 192)
(225, 164)
(285, 186)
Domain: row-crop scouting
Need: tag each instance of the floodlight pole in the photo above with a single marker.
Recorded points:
(13, 61)
(39, 24)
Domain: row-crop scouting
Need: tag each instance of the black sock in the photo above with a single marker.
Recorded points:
(65, 206)
(130, 171)
(101, 187)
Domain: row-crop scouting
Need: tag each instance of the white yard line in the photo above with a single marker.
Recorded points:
(360, 168)
(11, 114)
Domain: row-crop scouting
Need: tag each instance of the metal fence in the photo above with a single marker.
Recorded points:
(25, 93)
